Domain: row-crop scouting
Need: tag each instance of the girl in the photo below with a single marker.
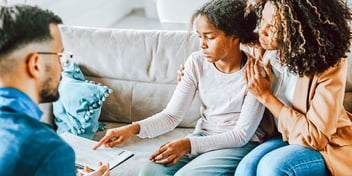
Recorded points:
(227, 129)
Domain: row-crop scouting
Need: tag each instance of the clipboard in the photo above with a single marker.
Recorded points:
(86, 156)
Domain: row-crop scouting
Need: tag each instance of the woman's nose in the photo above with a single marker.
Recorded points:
(263, 30)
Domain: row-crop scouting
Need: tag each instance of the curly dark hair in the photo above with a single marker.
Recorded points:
(24, 24)
(314, 34)
(233, 17)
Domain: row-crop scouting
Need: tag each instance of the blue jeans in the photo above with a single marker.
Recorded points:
(216, 162)
(276, 157)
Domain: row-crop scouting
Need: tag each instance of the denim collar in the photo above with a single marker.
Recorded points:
(20, 102)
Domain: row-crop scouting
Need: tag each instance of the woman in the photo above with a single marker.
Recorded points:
(305, 43)
(227, 129)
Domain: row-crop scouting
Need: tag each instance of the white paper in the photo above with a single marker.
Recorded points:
(86, 156)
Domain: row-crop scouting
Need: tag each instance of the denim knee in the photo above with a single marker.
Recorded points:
(292, 160)
(268, 166)
(152, 168)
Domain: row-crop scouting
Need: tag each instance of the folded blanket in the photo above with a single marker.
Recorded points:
(78, 109)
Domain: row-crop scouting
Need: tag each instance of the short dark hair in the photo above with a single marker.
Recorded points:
(24, 24)
(233, 17)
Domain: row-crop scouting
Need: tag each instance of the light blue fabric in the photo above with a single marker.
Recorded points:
(217, 162)
(276, 157)
(78, 109)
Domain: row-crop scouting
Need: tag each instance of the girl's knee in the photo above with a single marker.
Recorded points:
(152, 168)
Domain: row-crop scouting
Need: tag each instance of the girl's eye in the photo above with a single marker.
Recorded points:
(210, 37)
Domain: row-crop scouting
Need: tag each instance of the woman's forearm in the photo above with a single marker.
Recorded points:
(273, 104)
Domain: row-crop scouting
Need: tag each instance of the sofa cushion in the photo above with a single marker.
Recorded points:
(139, 65)
(142, 148)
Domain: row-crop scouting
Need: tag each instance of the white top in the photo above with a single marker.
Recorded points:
(284, 82)
(229, 113)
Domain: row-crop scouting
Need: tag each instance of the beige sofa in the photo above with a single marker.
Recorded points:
(140, 66)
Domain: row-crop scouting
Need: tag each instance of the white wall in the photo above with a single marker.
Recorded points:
(94, 13)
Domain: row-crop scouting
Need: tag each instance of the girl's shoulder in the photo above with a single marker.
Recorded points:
(196, 58)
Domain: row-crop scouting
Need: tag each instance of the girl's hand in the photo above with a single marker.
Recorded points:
(169, 153)
(117, 136)
(258, 79)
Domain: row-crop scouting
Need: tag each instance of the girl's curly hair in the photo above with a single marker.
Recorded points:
(315, 34)
(233, 17)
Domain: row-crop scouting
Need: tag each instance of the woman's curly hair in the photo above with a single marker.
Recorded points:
(315, 34)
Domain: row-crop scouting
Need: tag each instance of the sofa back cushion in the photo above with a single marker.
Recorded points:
(139, 65)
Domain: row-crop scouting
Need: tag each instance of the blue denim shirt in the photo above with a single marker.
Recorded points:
(27, 146)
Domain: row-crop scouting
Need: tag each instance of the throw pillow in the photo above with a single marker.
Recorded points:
(78, 109)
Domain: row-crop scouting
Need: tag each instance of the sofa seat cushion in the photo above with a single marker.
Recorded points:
(142, 148)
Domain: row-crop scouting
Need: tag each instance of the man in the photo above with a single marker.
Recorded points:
(30, 71)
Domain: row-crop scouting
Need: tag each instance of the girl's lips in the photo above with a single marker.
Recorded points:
(206, 55)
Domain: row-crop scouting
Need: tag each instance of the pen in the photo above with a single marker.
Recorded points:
(83, 169)
(82, 172)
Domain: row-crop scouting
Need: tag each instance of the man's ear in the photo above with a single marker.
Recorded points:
(32, 65)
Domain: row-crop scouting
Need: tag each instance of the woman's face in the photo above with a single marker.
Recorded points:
(214, 43)
(269, 27)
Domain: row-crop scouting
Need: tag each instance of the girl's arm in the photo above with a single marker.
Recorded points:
(178, 105)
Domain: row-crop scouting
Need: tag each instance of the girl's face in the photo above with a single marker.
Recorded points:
(269, 27)
(214, 43)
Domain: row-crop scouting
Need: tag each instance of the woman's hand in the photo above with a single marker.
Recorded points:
(258, 79)
(180, 73)
(117, 136)
(169, 153)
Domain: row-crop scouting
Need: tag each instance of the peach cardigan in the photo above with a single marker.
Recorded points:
(318, 119)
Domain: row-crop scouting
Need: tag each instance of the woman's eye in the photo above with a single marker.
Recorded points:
(273, 29)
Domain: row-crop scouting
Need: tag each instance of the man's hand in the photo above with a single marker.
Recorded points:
(169, 153)
(104, 170)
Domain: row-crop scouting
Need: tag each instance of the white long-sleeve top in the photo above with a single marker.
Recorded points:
(230, 115)
(284, 81)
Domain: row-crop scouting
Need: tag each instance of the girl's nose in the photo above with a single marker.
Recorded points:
(203, 44)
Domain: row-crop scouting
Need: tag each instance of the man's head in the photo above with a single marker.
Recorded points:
(26, 32)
